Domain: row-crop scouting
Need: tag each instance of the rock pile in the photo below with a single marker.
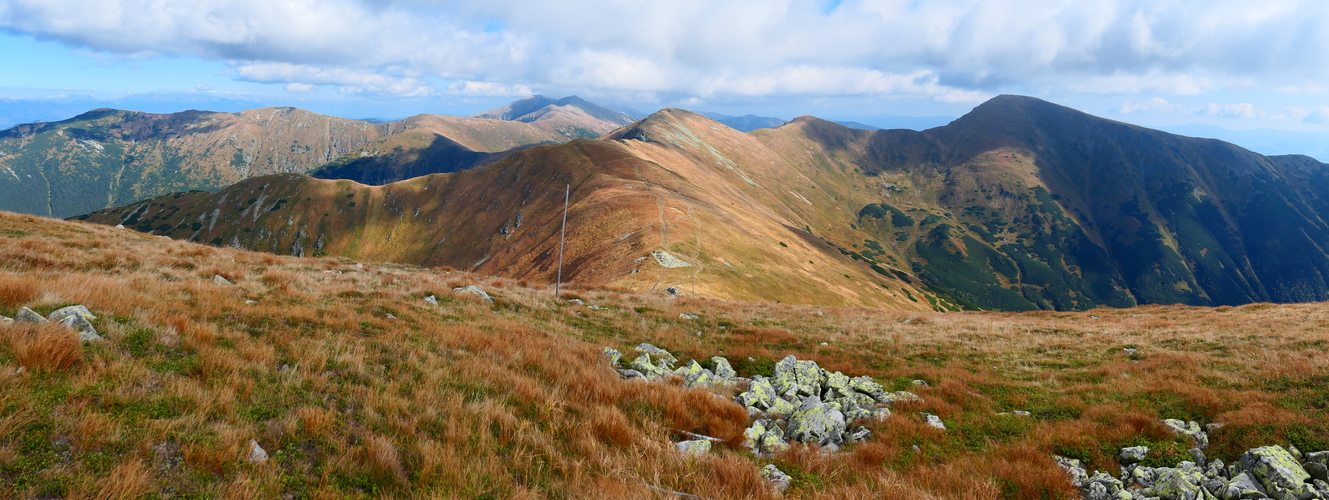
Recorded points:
(801, 402)
(76, 317)
(1271, 472)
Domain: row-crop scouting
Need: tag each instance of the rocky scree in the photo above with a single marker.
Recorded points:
(1269, 472)
(76, 317)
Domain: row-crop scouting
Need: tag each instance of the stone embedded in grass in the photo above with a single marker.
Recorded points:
(220, 280)
(694, 375)
(64, 312)
(612, 355)
(86, 332)
(1190, 429)
(656, 352)
(688, 316)
(256, 453)
(779, 480)
(475, 290)
(723, 369)
(1133, 454)
(696, 447)
(649, 369)
(934, 421)
(26, 315)
(431, 300)
(5, 320)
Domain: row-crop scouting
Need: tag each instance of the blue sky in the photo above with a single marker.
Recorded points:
(1235, 65)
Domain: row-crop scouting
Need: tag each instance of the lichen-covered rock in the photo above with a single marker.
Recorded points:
(723, 370)
(779, 480)
(475, 290)
(64, 312)
(1244, 486)
(657, 353)
(902, 397)
(612, 355)
(26, 315)
(859, 434)
(760, 394)
(1190, 429)
(86, 332)
(866, 385)
(1275, 469)
(1133, 454)
(1102, 486)
(816, 422)
(1318, 471)
(631, 374)
(1073, 468)
(694, 447)
(794, 378)
(934, 421)
(650, 370)
(694, 375)
(782, 407)
(1181, 483)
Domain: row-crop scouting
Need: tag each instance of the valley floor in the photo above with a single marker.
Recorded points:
(355, 385)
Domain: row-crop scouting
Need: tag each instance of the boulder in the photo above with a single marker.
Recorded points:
(65, 312)
(816, 422)
(865, 385)
(26, 315)
(1073, 468)
(1190, 429)
(657, 353)
(1243, 486)
(1181, 483)
(795, 379)
(1317, 470)
(86, 332)
(694, 375)
(648, 369)
(779, 480)
(760, 394)
(1133, 454)
(218, 279)
(723, 370)
(612, 355)
(1321, 457)
(696, 447)
(1275, 469)
(934, 421)
(1102, 486)
(475, 290)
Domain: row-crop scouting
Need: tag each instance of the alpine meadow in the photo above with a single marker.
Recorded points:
(347, 249)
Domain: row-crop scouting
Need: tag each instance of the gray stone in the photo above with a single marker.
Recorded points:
(431, 300)
(696, 447)
(1181, 483)
(1244, 486)
(688, 316)
(577, 301)
(65, 312)
(26, 315)
(902, 397)
(1073, 467)
(1133, 454)
(920, 383)
(218, 279)
(1318, 457)
(694, 375)
(859, 434)
(866, 385)
(794, 378)
(816, 422)
(475, 290)
(657, 353)
(760, 394)
(631, 374)
(934, 421)
(1198, 455)
(612, 355)
(1190, 429)
(86, 332)
(256, 453)
(723, 370)
(779, 480)
(648, 369)
(1275, 469)
(1102, 486)
(5, 320)
(1317, 470)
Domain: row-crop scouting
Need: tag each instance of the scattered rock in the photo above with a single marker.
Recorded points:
(65, 312)
(1130, 350)
(119, 226)
(779, 480)
(688, 316)
(431, 300)
(475, 290)
(934, 421)
(251, 301)
(696, 447)
(672, 291)
(1133, 454)
(218, 279)
(1277, 470)
(1190, 429)
(657, 352)
(256, 453)
(86, 332)
(577, 301)
(26, 315)
(669, 261)
(920, 383)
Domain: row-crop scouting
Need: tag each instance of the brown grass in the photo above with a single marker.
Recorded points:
(514, 400)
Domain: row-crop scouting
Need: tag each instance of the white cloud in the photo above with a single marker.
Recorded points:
(1243, 110)
(299, 87)
(1154, 105)
(946, 50)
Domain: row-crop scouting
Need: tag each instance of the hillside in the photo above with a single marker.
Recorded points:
(353, 383)
(106, 158)
(1020, 204)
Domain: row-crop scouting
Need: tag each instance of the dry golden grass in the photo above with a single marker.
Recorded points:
(468, 400)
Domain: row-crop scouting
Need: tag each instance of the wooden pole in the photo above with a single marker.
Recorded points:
(567, 194)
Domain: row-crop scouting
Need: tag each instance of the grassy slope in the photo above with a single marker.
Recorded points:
(465, 400)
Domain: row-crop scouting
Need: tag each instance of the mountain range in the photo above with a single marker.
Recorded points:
(107, 157)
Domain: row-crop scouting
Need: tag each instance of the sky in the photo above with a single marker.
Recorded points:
(1217, 65)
